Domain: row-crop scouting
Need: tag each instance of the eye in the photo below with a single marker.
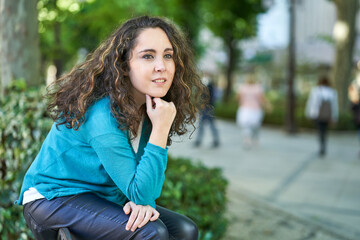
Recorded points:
(168, 56)
(147, 56)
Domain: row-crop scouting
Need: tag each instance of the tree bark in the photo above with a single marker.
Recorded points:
(230, 68)
(344, 34)
(19, 42)
(290, 103)
(58, 60)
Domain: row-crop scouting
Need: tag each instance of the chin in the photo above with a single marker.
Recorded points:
(158, 95)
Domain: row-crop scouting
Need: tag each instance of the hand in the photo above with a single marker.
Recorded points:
(160, 112)
(140, 215)
(162, 115)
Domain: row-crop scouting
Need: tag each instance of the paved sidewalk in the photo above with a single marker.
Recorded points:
(281, 189)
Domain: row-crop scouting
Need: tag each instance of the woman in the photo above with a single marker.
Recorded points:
(322, 107)
(249, 116)
(102, 164)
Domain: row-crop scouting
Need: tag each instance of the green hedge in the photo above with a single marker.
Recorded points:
(277, 116)
(197, 192)
(193, 190)
(23, 126)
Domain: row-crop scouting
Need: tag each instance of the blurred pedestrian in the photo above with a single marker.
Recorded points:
(322, 108)
(354, 97)
(249, 116)
(207, 114)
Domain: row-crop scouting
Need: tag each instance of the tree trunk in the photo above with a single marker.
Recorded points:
(344, 34)
(230, 68)
(290, 103)
(19, 42)
(58, 60)
(58, 55)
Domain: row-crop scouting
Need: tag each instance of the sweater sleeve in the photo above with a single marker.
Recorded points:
(139, 179)
(141, 182)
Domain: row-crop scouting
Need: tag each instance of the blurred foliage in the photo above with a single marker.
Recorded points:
(197, 192)
(276, 117)
(23, 127)
(232, 19)
(94, 20)
(190, 189)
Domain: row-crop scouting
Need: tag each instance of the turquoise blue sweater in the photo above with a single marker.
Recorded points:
(98, 158)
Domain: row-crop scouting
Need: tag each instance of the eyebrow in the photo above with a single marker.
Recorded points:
(153, 50)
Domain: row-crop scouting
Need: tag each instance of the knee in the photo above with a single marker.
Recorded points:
(189, 230)
(153, 231)
(160, 231)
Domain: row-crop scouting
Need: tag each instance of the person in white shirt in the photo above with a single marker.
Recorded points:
(322, 107)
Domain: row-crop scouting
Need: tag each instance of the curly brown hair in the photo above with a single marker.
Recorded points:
(105, 73)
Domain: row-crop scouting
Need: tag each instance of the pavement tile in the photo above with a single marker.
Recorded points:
(281, 189)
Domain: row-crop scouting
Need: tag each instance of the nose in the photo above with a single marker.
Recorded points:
(160, 65)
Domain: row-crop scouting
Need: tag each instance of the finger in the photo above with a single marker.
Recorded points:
(127, 208)
(139, 219)
(146, 218)
(132, 217)
(155, 215)
(158, 102)
(153, 102)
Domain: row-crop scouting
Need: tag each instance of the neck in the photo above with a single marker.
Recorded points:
(139, 101)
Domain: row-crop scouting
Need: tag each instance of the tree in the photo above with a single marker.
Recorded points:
(185, 13)
(57, 43)
(95, 20)
(290, 103)
(232, 21)
(19, 44)
(344, 34)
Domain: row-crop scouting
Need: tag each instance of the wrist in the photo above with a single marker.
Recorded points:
(159, 137)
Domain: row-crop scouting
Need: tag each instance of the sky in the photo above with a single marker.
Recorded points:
(273, 26)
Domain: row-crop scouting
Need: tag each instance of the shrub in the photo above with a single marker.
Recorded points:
(277, 116)
(226, 110)
(197, 192)
(192, 190)
(23, 127)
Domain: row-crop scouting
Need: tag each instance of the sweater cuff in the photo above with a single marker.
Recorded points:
(156, 148)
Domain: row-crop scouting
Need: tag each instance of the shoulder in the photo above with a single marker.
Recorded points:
(100, 106)
(314, 90)
(332, 90)
(99, 119)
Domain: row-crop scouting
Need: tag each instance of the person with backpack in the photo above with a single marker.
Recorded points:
(354, 97)
(322, 107)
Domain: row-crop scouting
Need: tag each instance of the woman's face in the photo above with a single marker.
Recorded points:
(152, 66)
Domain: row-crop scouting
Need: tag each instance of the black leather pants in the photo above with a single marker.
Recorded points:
(90, 217)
